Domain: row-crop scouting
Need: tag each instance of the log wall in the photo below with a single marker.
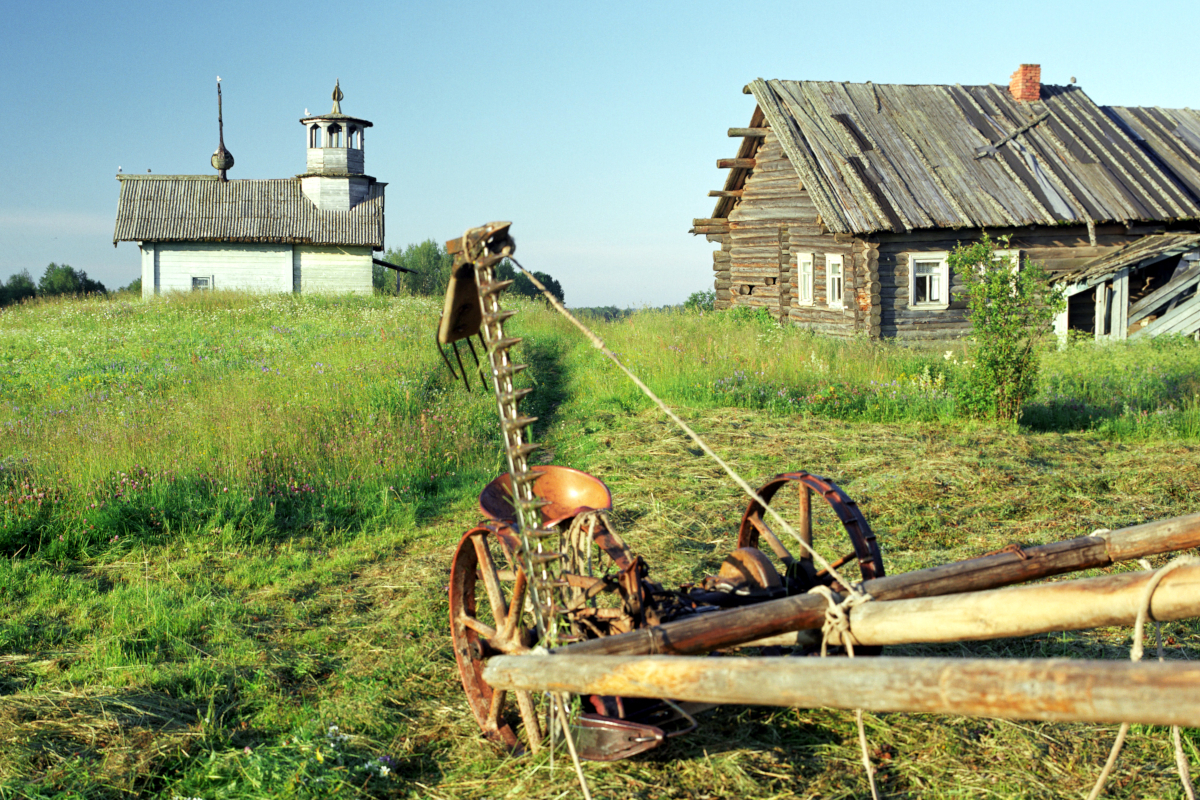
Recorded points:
(773, 220)
(1058, 249)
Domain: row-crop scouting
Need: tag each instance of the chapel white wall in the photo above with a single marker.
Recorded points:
(330, 270)
(247, 267)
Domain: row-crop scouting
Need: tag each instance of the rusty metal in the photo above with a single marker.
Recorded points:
(610, 739)
(800, 576)
(553, 571)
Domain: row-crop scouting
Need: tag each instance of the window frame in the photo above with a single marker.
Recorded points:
(832, 258)
(805, 285)
(204, 287)
(943, 274)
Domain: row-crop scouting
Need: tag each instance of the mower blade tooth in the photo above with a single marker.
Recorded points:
(511, 425)
(494, 287)
(499, 316)
(514, 396)
(506, 343)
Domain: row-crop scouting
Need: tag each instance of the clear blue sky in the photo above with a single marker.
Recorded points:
(594, 127)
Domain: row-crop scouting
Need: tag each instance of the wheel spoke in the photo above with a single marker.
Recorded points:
(496, 707)
(529, 719)
(509, 627)
(772, 539)
(484, 630)
(491, 580)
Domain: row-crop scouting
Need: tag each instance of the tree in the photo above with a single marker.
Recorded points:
(524, 287)
(701, 301)
(430, 264)
(63, 279)
(135, 286)
(1011, 308)
(20, 287)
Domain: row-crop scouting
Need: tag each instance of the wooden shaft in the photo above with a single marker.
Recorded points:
(713, 631)
(1026, 610)
(1063, 690)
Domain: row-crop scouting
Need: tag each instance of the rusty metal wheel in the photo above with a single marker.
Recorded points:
(798, 511)
(492, 622)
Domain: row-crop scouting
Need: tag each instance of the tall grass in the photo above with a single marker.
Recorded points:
(276, 415)
(1144, 389)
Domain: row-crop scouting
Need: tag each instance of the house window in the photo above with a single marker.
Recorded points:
(834, 281)
(314, 136)
(804, 277)
(201, 284)
(928, 281)
(335, 135)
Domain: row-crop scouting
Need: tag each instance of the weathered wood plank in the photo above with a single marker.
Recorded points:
(1064, 690)
(735, 163)
(735, 132)
(724, 193)
(1027, 610)
(727, 628)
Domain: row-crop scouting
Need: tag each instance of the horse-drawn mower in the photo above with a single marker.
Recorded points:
(546, 598)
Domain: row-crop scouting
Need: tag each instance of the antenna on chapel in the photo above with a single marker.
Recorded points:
(222, 159)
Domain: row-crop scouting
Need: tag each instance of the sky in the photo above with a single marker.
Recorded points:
(594, 127)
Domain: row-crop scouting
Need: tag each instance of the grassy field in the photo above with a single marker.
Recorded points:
(227, 525)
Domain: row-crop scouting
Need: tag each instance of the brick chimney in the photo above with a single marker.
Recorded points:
(1025, 84)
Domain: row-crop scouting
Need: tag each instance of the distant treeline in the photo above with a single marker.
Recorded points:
(431, 272)
(58, 279)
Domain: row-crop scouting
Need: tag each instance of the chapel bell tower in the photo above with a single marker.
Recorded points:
(334, 179)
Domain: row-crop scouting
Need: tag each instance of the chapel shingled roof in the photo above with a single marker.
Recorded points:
(879, 157)
(202, 208)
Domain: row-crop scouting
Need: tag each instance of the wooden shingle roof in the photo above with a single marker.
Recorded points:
(202, 208)
(877, 157)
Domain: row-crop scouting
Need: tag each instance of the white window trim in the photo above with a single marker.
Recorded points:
(943, 259)
(830, 301)
(804, 279)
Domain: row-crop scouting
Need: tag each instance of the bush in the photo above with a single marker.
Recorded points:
(1011, 308)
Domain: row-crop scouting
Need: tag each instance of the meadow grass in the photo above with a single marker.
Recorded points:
(227, 524)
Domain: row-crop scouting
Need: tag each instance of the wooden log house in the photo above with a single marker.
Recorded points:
(844, 200)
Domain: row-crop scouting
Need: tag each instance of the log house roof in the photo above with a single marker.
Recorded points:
(202, 208)
(878, 157)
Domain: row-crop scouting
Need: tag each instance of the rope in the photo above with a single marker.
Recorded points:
(1135, 654)
(695, 437)
(837, 621)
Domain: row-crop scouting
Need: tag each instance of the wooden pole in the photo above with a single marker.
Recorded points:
(720, 629)
(1062, 690)
(1026, 610)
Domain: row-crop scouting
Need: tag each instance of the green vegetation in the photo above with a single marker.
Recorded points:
(1011, 307)
(228, 522)
(57, 280)
(431, 265)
